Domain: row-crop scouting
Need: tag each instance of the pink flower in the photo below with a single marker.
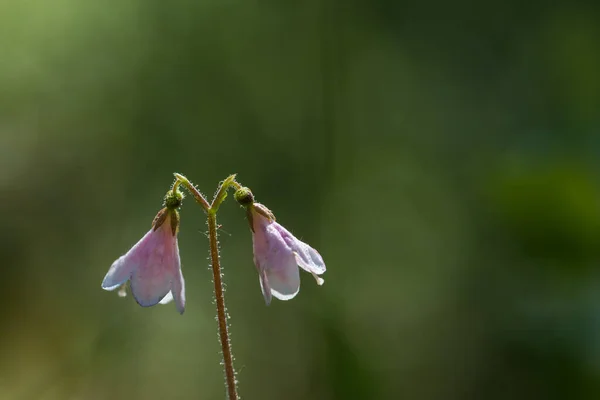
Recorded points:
(277, 255)
(152, 265)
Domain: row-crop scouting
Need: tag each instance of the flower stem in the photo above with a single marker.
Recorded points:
(192, 189)
(221, 312)
(176, 185)
(222, 192)
(211, 211)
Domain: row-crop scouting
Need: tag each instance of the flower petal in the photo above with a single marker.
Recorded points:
(120, 271)
(167, 299)
(149, 291)
(284, 280)
(152, 281)
(307, 258)
(264, 286)
(178, 288)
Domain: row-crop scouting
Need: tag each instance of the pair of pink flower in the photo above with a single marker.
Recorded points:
(153, 265)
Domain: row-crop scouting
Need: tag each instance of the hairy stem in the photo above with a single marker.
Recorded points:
(211, 211)
(221, 312)
(192, 189)
(222, 192)
(176, 186)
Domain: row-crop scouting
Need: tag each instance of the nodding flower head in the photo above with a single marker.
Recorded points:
(152, 265)
(278, 254)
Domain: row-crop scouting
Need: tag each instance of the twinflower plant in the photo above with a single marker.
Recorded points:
(152, 267)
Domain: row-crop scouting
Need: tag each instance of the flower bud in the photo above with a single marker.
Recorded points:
(244, 196)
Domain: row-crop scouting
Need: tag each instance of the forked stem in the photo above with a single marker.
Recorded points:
(192, 189)
(211, 211)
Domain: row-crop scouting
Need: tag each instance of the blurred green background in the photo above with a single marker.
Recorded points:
(441, 156)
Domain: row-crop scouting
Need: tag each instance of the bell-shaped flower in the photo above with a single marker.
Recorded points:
(278, 254)
(152, 265)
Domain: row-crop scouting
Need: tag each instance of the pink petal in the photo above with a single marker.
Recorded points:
(122, 269)
(264, 286)
(151, 282)
(277, 255)
(178, 287)
(308, 258)
(153, 267)
(284, 280)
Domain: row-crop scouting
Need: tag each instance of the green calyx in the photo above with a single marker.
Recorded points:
(162, 216)
(259, 209)
(244, 196)
(174, 222)
(264, 211)
(173, 199)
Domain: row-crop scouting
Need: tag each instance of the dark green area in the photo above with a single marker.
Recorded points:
(441, 156)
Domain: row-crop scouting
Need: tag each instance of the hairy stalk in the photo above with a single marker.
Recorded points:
(192, 189)
(176, 185)
(211, 211)
(221, 312)
(220, 196)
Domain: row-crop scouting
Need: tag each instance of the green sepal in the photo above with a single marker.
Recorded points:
(250, 218)
(160, 218)
(264, 211)
(174, 221)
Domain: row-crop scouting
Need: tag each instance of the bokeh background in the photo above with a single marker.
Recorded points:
(442, 156)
